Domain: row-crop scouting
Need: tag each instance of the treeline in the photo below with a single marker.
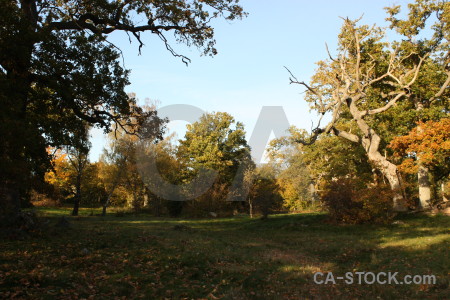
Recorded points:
(331, 174)
(381, 145)
(215, 142)
(385, 148)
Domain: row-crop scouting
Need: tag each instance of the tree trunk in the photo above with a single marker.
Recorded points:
(14, 134)
(423, 178)
(10, 205)
(444, 192)
(371, 144)
(157, 206)
(105, 205)
(390, 171)
(424, 187)
(76, 205)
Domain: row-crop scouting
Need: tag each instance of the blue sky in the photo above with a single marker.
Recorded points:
(248, 72)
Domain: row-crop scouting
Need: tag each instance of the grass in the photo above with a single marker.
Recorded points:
(236, 258)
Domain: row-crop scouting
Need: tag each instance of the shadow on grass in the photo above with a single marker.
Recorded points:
(233, 258)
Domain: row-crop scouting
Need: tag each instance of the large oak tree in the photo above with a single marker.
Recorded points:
(370, 76)
(58, 71)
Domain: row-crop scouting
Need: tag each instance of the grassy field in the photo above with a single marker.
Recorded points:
(139, 256)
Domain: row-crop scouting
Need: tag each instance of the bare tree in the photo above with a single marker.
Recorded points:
(367, 78)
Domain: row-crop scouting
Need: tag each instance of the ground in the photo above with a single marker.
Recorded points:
(139, 256)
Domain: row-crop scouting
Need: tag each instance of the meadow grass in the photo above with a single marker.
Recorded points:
(140, 256)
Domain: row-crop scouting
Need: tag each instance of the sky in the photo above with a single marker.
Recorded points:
(248, 72)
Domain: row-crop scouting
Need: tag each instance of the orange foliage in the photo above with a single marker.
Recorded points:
(351, 201)
(429, 139)
(59, 176)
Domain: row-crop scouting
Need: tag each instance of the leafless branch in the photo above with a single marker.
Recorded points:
(329, 54)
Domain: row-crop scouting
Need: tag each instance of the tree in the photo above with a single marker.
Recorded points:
(367, 78)
(215, 142)
(264, 192)
(74, 178)
(119, 162)
(430, 140)
(59, 175)
(170, 170)
(429, 96)
(57, 67)
(112, 164)
(77, 154)
(292, 175)
(78, 161)
(305, 168)
(94, 191)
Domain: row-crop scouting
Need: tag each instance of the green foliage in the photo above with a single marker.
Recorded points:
(305, 168)
(58, 71)
(351, 201)
(214, 142)
(294, 179)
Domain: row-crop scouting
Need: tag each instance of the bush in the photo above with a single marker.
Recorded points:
(350, 201)
(42, 200)
(213, 200)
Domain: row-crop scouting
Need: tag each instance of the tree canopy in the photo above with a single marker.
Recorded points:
(58, 70)
(371, 76)
(215, 142)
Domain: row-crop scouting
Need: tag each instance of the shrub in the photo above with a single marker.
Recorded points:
(40, 199)
(214, 200)
(350, 201)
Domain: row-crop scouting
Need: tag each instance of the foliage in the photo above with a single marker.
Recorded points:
(372, 85)
(170, 170)
(264, 192)
(350, 201)
(215, 142)
(305, 168)
(59, 176)
(63, 178)
(118, 168)
(293, 176)
(212, 201)
(58, 71)
(429, 139)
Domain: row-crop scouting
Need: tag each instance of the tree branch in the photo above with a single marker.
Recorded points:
(346, 135)
(384, 108)
(442, 89)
